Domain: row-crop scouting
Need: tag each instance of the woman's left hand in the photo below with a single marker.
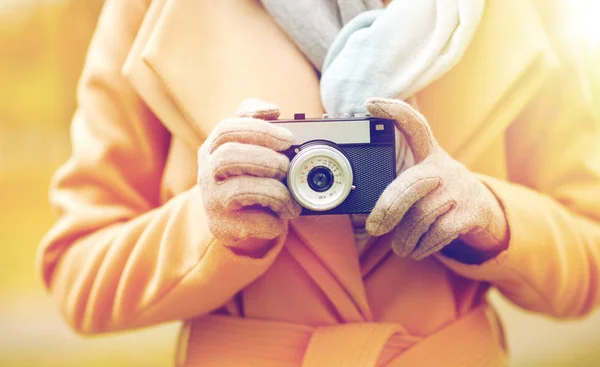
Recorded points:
(437, 200)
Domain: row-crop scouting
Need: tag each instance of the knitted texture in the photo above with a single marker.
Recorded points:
(437, 200)
(240, 171)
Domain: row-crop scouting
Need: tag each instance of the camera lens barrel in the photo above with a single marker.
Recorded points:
(320, 176)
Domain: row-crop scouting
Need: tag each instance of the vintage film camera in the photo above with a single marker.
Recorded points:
(340, 165)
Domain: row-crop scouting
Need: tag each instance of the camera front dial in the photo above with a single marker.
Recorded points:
(320, 176)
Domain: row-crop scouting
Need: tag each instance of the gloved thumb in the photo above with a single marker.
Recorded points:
(411, 124)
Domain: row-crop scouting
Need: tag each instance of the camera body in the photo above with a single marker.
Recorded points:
(340, 165)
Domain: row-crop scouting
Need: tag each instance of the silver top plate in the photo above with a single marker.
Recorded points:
(339, 131)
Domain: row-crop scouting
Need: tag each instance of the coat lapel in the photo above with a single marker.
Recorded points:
(470, 107)
(207, 56)
(151, 87)
(331, 239)
(505, 65)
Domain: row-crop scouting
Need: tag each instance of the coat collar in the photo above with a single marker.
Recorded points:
(193, 62)
(331, 240)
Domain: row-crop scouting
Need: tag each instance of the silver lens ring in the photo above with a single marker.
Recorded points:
(315, 157)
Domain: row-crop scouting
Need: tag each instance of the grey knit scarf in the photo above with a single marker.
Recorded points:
(314, 24)
(363, 50)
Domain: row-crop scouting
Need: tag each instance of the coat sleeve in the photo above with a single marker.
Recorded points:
(552, 204)
(116, 259)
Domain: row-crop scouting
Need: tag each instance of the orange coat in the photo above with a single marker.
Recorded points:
(131, 246)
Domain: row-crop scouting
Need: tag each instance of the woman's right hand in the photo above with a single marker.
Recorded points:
(240, 171)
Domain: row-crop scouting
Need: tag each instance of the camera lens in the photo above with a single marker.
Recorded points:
(320, 176)
(320, 179)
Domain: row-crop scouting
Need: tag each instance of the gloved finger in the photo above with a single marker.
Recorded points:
(250, 131)
(417, 221)
(411, 124)
(444, 230)
(232, 227)
(400, 196)
(258, 109)
(240, 192)
(236, 159)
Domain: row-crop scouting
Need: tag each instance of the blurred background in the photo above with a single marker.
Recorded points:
(42, 49)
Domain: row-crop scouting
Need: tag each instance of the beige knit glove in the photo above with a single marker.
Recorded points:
(240, 173)
(437, 200)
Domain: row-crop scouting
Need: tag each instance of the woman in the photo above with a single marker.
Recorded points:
(138, 242)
